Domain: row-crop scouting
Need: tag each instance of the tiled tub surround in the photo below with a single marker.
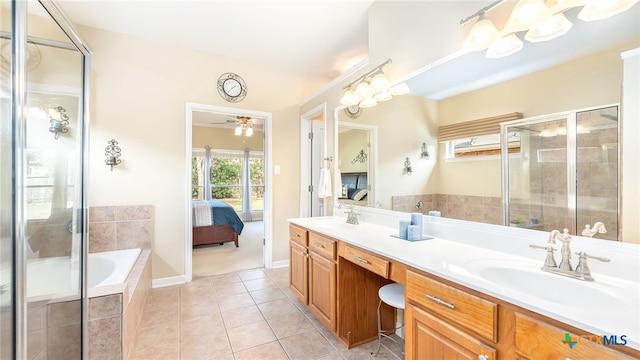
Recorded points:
(120, 227)
(114, 310)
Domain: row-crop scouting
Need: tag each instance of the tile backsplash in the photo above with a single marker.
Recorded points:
(484, 209)
(120, 227)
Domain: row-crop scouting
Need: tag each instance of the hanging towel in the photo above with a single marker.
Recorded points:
(339, 184)
(324, 187)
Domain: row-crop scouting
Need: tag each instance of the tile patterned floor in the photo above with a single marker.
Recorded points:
(249, 315)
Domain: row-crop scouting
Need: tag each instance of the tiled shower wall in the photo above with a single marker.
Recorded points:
(463, 207)
(120, 227)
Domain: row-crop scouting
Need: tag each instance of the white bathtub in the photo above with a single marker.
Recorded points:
(110, 267)
(56, 277)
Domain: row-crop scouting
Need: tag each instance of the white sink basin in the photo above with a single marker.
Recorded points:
(527, 278)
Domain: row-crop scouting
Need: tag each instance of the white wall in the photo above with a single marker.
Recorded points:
(138, 93)
(630, 230)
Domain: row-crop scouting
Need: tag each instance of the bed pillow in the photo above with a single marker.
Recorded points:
(359, 194)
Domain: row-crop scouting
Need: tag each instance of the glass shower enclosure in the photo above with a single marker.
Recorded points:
(43, 147)
(565, 173)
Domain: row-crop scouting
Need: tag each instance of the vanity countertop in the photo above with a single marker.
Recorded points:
(614, 311)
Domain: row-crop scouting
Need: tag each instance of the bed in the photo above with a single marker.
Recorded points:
(215, 222)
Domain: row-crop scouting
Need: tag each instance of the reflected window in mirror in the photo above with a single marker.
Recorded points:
(482, 145)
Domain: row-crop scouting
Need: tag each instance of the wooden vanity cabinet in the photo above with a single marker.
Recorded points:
(444, 322)
(312, 272)
(322, 279)
(536, 339)
(299, 263)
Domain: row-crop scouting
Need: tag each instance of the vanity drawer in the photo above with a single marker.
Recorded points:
(538, 340)
(469, 311)
(368, 261)
(322, 245)
(298, 234)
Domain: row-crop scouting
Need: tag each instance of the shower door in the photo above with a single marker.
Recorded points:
(565, 174)
(43, 137)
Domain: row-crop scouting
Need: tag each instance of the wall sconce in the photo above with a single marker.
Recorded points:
(424, 152)
(58, 121)
(112, 152)
(407, 166)
(361, 157)
(371, 88)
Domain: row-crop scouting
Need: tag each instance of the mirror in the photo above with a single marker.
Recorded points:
(357, 155)
(579, 70)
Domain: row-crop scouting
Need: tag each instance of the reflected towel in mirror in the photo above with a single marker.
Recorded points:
(324, 187)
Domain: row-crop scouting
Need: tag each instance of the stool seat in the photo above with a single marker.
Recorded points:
(392, 295)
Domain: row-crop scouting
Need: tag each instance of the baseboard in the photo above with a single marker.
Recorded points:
(168, 281)
(279, 264)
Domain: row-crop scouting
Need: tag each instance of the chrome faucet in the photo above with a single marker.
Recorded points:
(352, 216)
(581, 272)
(597, 228)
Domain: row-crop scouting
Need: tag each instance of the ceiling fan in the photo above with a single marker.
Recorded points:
(244, 124)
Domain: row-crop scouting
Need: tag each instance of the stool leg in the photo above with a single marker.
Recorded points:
(375, 353)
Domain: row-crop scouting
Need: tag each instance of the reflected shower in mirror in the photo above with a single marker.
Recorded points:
(582, 69)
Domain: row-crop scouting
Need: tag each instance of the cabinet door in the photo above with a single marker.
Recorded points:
(428, 337)
(298, 271)
(322, 289)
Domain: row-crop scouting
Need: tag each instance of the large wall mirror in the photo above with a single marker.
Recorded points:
(580, 70)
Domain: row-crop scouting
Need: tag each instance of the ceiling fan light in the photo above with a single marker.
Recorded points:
(481, 36)
(249, 131)
(506, 46)
(548, 29)
(349, 98)
(238, 131)
(382, 96)
(368, 102)
(379, 82)
(602, 9)
(399, 89)
(525, 14)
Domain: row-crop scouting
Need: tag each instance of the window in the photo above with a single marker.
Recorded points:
(483, 145)
(226, 179)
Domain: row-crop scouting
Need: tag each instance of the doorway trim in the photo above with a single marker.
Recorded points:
(305, 154)
(188, 236)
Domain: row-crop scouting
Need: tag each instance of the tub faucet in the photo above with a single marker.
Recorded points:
(597, 228)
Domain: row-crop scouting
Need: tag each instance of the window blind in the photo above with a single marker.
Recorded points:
(485, 126)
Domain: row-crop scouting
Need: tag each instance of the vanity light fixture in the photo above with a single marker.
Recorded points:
(407, 166)
(371, 88)
(58, 121)
(112, 153)
(541, 22)
(424, 152)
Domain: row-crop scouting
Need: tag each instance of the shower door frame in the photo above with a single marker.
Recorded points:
(572, 188)
(19, 37)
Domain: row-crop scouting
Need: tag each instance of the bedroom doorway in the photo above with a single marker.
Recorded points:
(228, 154)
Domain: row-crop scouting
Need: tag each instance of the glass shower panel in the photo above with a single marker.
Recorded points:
(597, 170)
(538, 177)
(53, 190)
(6, 154)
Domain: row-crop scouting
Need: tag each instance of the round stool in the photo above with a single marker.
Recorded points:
(392, 295)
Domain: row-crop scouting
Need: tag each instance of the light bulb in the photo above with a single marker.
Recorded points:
(548, 29)
(362, 89)
(525, 14)
(349, 98)
(379, 82)
(249, 131)
(382, 96)
(481, 36)
(506, 46)
(238, 131)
